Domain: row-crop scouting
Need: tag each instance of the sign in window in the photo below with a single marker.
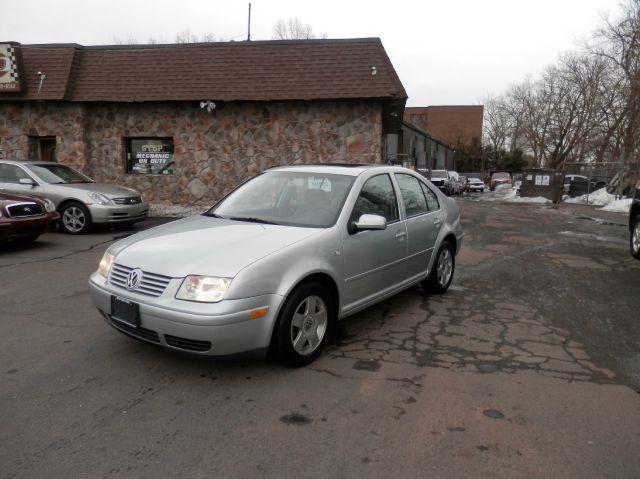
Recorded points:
(150, 156)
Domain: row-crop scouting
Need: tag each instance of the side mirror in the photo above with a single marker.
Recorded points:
(27, 181)
(367, 222)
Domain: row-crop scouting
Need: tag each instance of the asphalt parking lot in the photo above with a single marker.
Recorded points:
(528, 367)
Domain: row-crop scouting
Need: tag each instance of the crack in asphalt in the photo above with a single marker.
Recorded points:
(451, 333)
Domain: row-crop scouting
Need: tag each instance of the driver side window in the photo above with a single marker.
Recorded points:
(377, 197)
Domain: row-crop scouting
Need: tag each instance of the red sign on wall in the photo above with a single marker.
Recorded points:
(10, 68)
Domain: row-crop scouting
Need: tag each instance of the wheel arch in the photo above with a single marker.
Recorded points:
(67, 201)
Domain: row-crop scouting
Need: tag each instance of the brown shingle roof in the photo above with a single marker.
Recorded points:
(258, 71)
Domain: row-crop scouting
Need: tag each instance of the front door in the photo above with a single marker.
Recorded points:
(10, 176)
(374, 260)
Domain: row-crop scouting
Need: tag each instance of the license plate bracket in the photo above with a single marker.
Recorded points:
(125, 311)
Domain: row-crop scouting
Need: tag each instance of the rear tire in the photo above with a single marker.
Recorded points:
(441, 275)
(634, 241)
(303, 325)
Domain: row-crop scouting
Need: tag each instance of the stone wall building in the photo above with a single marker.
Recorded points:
(186, 123)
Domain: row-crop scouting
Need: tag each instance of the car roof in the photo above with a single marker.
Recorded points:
(30, 162)
(347, 169)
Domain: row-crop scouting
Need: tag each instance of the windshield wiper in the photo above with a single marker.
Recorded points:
(251, 220)
(211, 215)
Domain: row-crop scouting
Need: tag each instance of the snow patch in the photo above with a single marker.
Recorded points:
(600, 197)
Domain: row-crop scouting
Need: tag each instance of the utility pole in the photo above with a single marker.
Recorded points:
(249, 25)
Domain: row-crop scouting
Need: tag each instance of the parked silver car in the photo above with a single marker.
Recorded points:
(279, 260)
(80, 201)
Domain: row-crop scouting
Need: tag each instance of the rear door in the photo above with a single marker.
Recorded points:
(423, 220)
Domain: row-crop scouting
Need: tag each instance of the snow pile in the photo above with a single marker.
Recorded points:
(156, 209)
(510, 195)
(619, 206)
(602, 198)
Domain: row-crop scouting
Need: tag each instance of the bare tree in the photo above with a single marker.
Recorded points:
(186, 36)
(619, 42)
(292, 29)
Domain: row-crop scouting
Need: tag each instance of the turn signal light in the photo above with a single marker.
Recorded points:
(258, 313)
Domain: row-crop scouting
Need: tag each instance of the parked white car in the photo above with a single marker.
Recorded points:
(475, 184)
(442, 180)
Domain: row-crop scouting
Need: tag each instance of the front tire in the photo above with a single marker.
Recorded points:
(303, 325)
(634, 241)
(441, 275)
(75, 219)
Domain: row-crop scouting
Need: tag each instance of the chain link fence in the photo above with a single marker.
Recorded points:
(585, 178)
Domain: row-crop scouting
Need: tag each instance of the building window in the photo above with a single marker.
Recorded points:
(149, 156)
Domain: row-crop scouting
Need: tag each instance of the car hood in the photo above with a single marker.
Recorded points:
(7, 199)
(111, 191)
(207, 246)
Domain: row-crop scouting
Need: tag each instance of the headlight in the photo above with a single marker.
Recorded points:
(105, 264)
(99, 198)
(206, 289)
(49, 206)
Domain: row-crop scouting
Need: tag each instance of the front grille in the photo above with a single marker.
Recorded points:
(140, 333)
(188, 344)
(131, 200)
(151, 284)
(21, 210)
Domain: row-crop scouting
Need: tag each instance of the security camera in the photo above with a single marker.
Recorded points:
(207, 105)
(39, 73)
(374, 71)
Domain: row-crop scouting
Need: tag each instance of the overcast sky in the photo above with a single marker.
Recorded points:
(446, 52)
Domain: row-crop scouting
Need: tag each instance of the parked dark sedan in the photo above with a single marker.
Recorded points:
(24, 218)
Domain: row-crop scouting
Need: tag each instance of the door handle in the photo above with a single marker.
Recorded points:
(401, 234)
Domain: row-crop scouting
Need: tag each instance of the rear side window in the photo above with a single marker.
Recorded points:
(377, 197)
(432, 199)
(413, 198)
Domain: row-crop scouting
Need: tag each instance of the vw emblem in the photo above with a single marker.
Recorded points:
(134, 278)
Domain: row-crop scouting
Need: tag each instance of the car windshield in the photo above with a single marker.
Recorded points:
(475, 180)
(59, 174)
(287, 198)
(438, 174)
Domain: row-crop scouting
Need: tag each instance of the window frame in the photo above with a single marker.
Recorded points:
(427, 211)
(395, 196)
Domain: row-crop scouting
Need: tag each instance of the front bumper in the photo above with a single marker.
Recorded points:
(214, 329)
(113, 214)
(11, 228)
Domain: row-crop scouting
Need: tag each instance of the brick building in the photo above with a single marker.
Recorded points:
(186, 123)
(459, 126)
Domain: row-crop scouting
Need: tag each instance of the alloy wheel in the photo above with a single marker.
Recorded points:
(635, 238)
(309, 325)
(445, 267)
(74, 219)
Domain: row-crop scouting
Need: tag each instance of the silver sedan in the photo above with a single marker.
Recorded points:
(80, 201)
(277, 262)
